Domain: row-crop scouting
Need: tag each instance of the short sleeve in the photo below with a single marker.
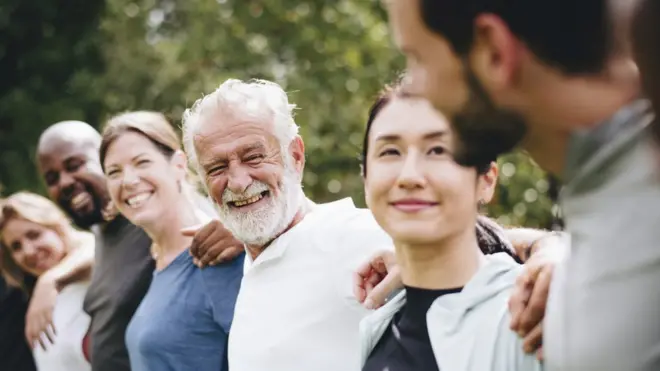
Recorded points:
(358, 238)
(222, 283)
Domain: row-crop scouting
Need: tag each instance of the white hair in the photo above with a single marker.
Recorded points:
(263, 100)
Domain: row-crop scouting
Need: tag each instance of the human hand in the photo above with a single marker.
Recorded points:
(530, 295)
(39, 328)
(212, 244)
(376, 279)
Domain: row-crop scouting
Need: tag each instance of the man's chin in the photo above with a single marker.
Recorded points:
(86, 220)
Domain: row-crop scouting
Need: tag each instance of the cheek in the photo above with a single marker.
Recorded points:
(271, 175)
(114, 189)
(52, 241)
(53, 192)
(377, 186)
(216, 187)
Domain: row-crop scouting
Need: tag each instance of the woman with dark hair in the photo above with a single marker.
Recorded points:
(184, 319)
(452, 314)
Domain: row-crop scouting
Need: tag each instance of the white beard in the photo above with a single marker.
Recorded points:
(258, 227)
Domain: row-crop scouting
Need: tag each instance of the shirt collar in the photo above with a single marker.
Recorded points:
(584, 144)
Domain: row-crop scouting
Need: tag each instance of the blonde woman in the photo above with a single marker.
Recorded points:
(183, 321)
(35, 236)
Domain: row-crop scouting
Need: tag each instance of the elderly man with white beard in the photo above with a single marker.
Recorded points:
(296, 309)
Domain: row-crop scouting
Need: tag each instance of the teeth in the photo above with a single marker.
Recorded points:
(78, 199)
(250, 200)
(137, 200)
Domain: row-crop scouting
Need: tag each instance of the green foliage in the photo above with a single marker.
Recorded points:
(332, 57)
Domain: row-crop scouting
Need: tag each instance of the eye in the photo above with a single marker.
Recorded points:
(143, 162)
(74, 165)
(388, 152)
(216, 170)
(16, 246)
(437, 150)
(253, 159)
(51, 178)
(112, 173)
(33, 234)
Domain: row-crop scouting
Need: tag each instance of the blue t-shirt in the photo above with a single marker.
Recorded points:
(183, 322)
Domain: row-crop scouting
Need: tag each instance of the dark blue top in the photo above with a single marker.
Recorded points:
(183, 322)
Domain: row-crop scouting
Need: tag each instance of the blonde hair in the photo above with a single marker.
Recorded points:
(155, 127)
(35, 209)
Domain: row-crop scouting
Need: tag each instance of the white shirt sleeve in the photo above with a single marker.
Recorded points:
(358, 238)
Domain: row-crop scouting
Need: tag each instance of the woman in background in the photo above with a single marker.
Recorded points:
(183, 322)
(452, 314)
(35, 236)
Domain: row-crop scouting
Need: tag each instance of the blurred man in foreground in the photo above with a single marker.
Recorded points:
(569, 93)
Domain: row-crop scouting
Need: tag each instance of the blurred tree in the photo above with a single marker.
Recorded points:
(49, 56)
(332, 57)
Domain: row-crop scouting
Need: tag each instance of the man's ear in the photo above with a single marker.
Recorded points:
(495, 56)
(297, 152)
(179, 161)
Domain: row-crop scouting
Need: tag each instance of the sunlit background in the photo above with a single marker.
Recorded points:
(89, 59)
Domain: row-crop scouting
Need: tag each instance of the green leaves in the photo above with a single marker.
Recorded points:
(106, 57)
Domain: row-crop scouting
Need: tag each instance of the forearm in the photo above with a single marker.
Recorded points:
(527, 241)
(76, 266)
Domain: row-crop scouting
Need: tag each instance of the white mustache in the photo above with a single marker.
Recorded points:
(254, 189)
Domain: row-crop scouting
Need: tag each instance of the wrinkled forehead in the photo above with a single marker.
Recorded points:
(230, 134)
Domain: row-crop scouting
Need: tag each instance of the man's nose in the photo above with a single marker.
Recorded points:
(239, 180)
(67, 183)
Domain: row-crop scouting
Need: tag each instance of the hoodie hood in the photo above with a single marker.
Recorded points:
(453, 316)
(495, 277)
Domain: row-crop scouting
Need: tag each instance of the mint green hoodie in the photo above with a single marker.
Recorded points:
(469, 330)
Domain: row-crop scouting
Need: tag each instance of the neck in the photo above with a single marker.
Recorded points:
(576, 104)
(450, 263)
(166, 232)
(255, 250)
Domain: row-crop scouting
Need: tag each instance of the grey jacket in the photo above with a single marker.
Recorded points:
(469, 330)
(603, 311)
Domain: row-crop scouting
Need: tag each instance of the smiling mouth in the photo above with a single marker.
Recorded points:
(248, 201)
(138, 200)
(80, 201)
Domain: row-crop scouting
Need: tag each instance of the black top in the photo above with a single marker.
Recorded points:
(405, 345)
(14, 351)
(122, 274)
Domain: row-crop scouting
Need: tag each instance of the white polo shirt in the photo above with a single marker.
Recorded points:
(296, 310)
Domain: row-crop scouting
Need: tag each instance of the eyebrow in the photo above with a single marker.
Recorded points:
(397, 137)
(252, 147)
(132, 159)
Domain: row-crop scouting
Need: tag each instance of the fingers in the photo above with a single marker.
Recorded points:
(539, 353)
(535, 311)
(229, 254)
(200, 238)
(191, 231)
(218, 254)
(534, 339)
(382, 290)
(358, 287)
(49, 334)
(519, 299)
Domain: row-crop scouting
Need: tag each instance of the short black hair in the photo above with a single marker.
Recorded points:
(573, 36)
